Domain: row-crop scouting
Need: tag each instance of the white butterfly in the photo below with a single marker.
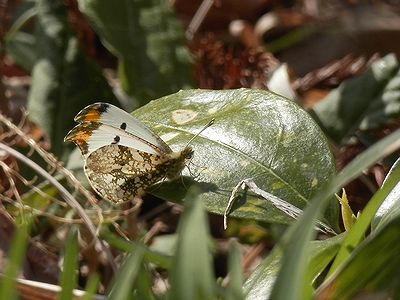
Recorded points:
(122, 156)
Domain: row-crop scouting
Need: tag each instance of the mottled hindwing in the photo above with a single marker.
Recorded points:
(119, 173)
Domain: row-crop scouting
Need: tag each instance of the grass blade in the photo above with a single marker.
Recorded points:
(123, 284)
(69, 273)
(191, 272)
(15, 260)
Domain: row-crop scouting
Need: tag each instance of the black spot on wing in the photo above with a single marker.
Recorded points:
(123, 126)
(116, 140)
(103, 107)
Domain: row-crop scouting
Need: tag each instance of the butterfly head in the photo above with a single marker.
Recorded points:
(187, 153)
(177, 161)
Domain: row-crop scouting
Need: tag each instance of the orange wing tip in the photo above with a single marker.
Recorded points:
(92, 113)
(80, 135)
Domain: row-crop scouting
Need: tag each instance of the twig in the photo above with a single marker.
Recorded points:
(51, 160)
(30, 184)
(198, 18)
(66, 195)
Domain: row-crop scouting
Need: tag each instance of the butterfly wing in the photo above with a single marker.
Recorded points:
(103, 124)
(92, 136)
(118, 173)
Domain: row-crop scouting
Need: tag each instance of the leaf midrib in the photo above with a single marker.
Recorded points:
(236, 151)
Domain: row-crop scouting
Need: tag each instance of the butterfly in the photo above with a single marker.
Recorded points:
(123, 156)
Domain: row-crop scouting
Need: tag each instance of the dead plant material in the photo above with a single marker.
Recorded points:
(331, 75)
(53, 166)
(220, 66)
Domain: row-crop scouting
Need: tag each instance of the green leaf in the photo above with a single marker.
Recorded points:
(348, 216)
(39, 200)
(154, 257)
(362, 224)
(256, 134)
(361, 103)
(19, 48)
(260, 283)
(19, 44)
(295, 241)
(234, 288)
(63, 79)
(321, 254)
(191, 274)
(70, 265)
(124, 281)
(148, 41)
(375, 263)
(390, 207)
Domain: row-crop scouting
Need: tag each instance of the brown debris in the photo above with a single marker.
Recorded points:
(334, 73)
(219, 66)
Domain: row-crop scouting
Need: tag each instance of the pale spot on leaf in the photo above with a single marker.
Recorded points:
(183, 116)
(314, 182)
(169, 136)
(213, 110)
(278, 185)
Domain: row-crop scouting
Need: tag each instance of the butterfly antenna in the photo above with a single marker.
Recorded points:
(204, 128)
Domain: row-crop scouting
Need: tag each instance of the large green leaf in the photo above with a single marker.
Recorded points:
(256, 134)
(148, 41)
(373, 266)
(362, 103)
(63, 80)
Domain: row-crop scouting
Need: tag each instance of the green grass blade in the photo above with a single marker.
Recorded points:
(191, 274)
(235, 289)
(376, 264)
(143, 284)
(295, 241)
(69, 273)
(91, 286)
(123, 283)
(150, 256)
(391, 206)
(356, 234)
(15, 260)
